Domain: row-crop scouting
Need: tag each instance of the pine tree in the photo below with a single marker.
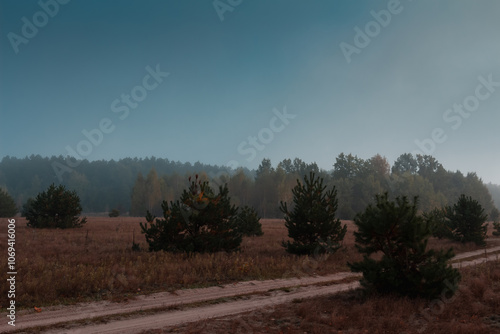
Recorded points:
(437, 220)
(8, 207)
(494, 216)
(200, 221)
(249, 222)
(312, 224)
(27, 206)
(394, 230)
(55, 208)
(496, 227)
(467, 220)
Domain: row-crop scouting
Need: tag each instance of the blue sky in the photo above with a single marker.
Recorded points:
(361, 77)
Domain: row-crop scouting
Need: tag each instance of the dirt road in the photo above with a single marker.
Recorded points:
(251, 295)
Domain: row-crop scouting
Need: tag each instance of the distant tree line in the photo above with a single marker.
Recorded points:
(137, 185)
(101, 185)
(358, 180)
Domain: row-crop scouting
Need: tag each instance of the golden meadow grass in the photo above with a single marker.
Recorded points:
(97, 262)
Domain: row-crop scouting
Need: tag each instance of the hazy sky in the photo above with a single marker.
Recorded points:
(242, 80)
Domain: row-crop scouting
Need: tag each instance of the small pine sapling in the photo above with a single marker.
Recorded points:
(312, 224)
(400, 235)
(467, 221)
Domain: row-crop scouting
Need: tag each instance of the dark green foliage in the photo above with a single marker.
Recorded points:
(405, 163)
(114, 213)
(494, 215)
(394, 230)
(199, 222)
(55, 208)
(8, 207)
(249, 222)
(312, 224)
(467, 220)
(496, 227)
(27, 206)
(438, 223)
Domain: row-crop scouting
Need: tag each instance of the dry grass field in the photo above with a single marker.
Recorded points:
(96, 262)
(475, 309)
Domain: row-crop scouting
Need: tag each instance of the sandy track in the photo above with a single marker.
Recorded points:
(53, 315)
(135, 325)
(304, 288)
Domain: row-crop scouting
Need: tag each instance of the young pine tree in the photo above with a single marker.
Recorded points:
(199, 222)
(55, 208)
(249, 222)
(467, 220)
(495, 216)
(394, 230)
(438, 223)
(8, 207)
(312, 223)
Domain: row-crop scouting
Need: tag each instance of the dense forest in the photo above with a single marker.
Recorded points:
(135, 185)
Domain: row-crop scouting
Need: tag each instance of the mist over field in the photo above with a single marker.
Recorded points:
(230, 83)
(134, 186)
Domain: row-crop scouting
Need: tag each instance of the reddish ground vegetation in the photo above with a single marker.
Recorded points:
(475, 308)
(97, 262)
